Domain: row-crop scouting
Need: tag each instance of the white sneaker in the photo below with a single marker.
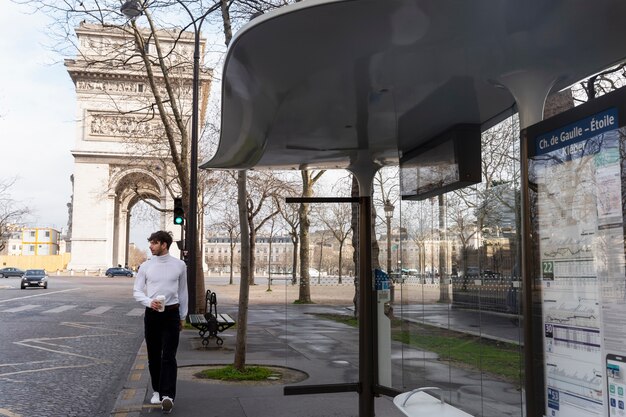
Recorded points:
(156, 398)
(167, 404)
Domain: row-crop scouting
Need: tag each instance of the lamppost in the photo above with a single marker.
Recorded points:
(133, 9)
(388, 208)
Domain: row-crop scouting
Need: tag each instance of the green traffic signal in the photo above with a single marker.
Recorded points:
(179, 212)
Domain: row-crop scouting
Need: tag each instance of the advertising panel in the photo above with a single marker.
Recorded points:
(576, 173)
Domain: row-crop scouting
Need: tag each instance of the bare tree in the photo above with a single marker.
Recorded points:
(230, 224)
(155, 119)
(309, 178)
(12, 213)
(416, 221)
(265, 189)
(136, 257)
(337, 219)
(290, 215)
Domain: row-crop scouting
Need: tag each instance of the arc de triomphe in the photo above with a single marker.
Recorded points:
(116, 153)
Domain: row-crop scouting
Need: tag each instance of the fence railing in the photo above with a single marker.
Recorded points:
(502, 295)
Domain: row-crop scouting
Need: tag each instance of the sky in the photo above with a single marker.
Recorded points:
(38, 123)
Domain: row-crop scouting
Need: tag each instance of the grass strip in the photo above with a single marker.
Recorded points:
(229, 373)
(499, 359)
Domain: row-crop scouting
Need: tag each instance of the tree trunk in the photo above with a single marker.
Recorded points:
(340, 259)
(294, 263)
(444, 274)
(305, 223)
(319, 266)
(252, 255)
(200, 289)
(232, 260)
(244, 289)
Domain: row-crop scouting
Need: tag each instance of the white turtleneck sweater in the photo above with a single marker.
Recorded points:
(163, 275)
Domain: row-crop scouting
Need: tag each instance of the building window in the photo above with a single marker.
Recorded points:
(32, 233)
(47, 234)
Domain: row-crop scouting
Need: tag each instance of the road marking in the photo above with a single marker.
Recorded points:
(38, 295)
(7, 413)
(54, 368)
(24, 363)
(98, 310)
(136, 312)
(60, 309)
(93, 326)
(21, 308)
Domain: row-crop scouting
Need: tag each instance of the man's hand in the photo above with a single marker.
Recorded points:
(182, 325)
(154, 304)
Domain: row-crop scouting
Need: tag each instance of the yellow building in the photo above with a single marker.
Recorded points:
(40, 241)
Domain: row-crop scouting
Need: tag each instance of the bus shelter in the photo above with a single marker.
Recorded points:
(360, 85)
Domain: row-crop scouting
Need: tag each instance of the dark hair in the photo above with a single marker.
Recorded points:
(162, 237)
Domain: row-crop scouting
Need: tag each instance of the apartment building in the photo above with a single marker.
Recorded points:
(39, 241)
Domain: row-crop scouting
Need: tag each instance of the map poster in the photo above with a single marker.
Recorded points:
(578, 222)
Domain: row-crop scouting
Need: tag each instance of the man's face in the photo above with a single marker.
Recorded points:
(158, 248)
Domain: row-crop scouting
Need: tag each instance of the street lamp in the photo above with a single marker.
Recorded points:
(132, 9)
(388, 207)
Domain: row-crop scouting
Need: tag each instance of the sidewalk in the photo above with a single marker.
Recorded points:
(324, 350)
(287, 335)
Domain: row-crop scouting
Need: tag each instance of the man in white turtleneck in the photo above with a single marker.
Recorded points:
(167, 276)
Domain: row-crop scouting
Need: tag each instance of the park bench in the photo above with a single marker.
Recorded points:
(211, 323)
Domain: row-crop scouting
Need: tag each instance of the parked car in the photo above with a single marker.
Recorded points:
(11, 272)
(313, 273)
(35, 278)
(118, 271)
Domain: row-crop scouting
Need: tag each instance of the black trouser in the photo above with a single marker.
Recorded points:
(162, 331)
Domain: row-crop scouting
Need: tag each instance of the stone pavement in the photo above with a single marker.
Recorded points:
(283, 336)
(289, 336)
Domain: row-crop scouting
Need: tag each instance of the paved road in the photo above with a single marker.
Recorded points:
(67, 350)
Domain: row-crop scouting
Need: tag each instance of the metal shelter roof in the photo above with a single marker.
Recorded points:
(338, 83)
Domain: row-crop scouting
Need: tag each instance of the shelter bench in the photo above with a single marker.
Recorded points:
(211, 323)
(423, 404)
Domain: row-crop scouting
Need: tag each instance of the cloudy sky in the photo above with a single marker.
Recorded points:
(37, 106)
(37, 122)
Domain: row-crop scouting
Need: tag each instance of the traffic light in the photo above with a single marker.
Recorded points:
(179, 212)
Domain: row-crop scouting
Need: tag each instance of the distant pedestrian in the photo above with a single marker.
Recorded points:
(162, 279)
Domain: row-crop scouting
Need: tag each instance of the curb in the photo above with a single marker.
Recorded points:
(130, 400)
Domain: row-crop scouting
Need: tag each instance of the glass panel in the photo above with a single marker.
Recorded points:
(458, 313)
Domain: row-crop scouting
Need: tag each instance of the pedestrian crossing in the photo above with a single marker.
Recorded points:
(93, 312)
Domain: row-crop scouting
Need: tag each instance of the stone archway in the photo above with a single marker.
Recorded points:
(119, 155)
(101, 220)
(132, 186)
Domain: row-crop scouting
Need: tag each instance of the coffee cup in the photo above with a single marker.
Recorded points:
(161, 300)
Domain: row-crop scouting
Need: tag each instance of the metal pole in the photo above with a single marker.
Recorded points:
(533, 378)
(182, 244)
(367, 323)
(192, 223)
(389, 245)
